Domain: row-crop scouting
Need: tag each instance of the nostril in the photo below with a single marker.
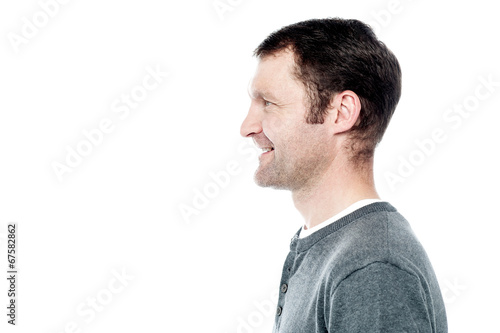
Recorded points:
(249, 127)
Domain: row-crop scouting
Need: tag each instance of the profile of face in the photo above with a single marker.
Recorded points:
(295, 153)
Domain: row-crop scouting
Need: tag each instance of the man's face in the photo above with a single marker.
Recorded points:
(299, 152)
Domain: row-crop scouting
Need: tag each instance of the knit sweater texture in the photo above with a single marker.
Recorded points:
(366, 272)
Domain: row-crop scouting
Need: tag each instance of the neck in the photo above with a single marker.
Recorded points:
(339, 187)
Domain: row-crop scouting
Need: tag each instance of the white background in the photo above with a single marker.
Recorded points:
(217, 270)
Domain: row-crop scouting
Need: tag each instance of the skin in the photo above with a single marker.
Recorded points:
(310, 160)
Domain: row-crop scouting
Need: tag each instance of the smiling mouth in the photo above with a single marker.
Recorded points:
(267, 149)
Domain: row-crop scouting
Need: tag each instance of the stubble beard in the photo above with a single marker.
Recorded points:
(292, 174)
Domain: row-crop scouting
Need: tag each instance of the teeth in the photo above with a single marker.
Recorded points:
(267, 149)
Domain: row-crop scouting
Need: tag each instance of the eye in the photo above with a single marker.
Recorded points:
(267, 103)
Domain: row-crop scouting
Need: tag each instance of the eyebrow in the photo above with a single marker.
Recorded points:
(267, 95)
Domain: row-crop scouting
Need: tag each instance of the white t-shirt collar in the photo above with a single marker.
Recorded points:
(347, 211)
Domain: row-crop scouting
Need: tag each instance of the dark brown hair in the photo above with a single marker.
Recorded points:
(334, 55)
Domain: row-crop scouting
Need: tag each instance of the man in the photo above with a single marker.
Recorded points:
(321, 99)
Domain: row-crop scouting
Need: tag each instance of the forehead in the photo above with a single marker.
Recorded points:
(274, 76)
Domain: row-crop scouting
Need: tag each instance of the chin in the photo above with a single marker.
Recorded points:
(263, 181)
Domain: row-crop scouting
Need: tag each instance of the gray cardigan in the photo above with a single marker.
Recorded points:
(366, 272)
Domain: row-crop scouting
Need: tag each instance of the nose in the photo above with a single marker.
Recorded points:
(252, 123)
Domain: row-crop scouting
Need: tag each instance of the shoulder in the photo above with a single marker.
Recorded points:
(377, 240)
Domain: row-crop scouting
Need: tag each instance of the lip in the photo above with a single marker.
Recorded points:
(267, 152)
(263, 144)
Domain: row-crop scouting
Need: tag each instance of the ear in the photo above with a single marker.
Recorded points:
(344, 111)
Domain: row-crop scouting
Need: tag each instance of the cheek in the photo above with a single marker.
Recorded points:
(275, 129)
(272, 123)
(295, 144)
(311, 139)
(291, 136)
